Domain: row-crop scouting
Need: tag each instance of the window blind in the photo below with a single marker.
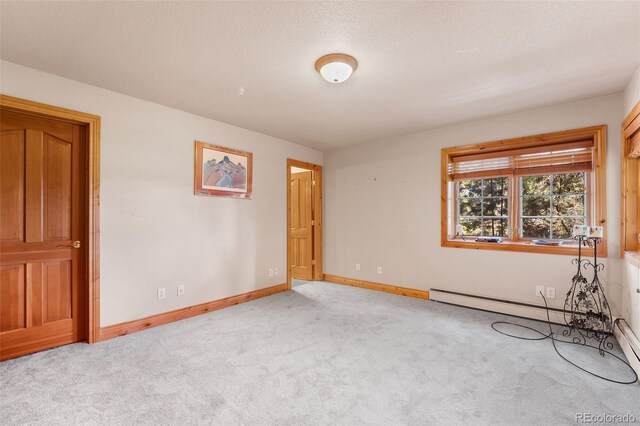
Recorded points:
(557, 158)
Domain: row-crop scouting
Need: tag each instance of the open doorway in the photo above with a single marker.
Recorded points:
(304, 223)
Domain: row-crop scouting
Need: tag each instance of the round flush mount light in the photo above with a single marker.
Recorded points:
(336, 67)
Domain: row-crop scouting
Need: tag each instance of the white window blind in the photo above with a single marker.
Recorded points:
(571, 156)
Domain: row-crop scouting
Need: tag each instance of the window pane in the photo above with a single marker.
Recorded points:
(471, 188)
(494, 227)
(495, 207)
(536, 185)
(470, 207)
(568, 183)
(536, 206)
(536, 228)
(569, 205)
(496, 187)
(471, 226)
(562, 228)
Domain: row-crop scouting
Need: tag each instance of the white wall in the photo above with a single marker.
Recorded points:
(154, 231)
(382, 207)
(631, 276)
(631, 94)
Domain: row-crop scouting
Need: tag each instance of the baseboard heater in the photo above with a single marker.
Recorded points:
(497, 305)
(628, 342)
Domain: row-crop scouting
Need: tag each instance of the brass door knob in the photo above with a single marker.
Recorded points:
(75, 244)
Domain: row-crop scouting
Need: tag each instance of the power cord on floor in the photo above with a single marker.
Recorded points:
(554, 339)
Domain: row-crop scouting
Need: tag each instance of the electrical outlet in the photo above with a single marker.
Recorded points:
(539, 290)
(275, 271)
(551, 292)
(181, 290)
(162, 293)
(379, 270)
(270, 272)
(357, 267)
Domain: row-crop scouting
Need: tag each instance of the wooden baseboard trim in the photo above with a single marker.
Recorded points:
(409, 292)
(124, 328)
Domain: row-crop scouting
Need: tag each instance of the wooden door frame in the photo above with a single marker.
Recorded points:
(318, 274)
(92, 186)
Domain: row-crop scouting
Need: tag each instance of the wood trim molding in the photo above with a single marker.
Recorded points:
(597, 134)
(635, 113)
(318, 217)
(630, 176)
(124, 328)
(514, 246)
(387, 288)
(92, 124)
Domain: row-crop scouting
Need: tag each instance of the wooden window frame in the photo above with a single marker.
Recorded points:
(630, 211)
(597, 179)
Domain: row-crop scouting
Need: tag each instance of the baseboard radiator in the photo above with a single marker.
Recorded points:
(629, 343)
(500, 306)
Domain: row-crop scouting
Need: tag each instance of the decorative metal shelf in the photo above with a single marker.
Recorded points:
(587, 311)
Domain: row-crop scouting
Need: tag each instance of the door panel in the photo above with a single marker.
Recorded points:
(43, 275)
(301, 226)
(57, 189)
(56, 286)
(12, 158)
(13, 301)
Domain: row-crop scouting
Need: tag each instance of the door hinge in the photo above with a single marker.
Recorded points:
(313, 262)
(313, 183)
(313, 222)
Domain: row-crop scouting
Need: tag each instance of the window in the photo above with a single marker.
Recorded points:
(551, 204)
(524, 190)
(630, 241)
(483, 206)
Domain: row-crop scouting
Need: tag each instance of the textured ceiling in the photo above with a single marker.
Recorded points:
(420, 64)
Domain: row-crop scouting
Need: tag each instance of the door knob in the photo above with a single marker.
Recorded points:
(75, 244)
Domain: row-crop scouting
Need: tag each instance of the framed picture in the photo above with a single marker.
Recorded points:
(222, 172)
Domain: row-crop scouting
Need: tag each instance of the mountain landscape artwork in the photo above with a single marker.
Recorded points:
(222, 171)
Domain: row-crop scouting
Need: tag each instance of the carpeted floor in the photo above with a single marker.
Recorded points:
(320, 354)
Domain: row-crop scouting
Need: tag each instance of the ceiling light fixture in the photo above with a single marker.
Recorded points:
(336, 67)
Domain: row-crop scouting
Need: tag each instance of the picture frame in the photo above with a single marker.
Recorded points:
(222, 172)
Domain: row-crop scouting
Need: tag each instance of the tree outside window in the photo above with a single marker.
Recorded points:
(483, 206)
(552, 204)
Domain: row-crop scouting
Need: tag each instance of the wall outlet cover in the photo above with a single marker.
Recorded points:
(162, 293)
(539, 290)
(551, 292)
(181, 290)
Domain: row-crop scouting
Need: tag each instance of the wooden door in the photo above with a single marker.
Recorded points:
(42, 213)
(302, 226)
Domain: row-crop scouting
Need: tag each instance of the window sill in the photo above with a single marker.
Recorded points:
(523, 247)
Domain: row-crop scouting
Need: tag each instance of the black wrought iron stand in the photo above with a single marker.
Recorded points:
(586, 310)
(586, 313)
